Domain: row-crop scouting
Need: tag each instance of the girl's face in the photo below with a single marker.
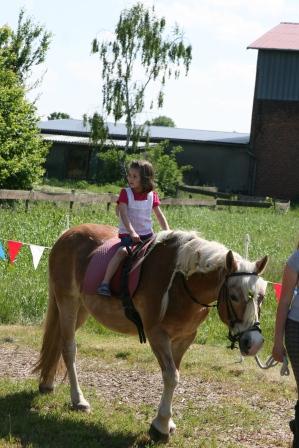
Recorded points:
(134, 179)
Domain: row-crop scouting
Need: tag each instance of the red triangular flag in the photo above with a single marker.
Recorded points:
(277, 289)
(13, 249)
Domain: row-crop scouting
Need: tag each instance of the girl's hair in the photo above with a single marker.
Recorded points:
(146, 171)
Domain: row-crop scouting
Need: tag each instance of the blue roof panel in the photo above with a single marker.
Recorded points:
(68, 126)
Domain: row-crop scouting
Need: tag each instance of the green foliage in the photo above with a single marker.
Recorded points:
(141, 54)
(22, 151)
(24, 48)
(168, 174)
(162, 120)
(58, 116)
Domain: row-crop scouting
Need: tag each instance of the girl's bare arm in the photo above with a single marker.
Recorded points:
(161, 218)
(289, 281)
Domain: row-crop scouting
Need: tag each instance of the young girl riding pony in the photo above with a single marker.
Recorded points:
(135, 205)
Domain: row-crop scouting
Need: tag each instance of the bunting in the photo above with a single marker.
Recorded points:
(36, 252)
(14, 247)
(277, 290)
(2, 253)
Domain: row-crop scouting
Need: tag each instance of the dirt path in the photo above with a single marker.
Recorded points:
(139, 386)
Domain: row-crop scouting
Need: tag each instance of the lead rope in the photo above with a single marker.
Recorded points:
(284, 370)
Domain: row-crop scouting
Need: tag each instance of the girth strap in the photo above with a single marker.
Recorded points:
(127, 302)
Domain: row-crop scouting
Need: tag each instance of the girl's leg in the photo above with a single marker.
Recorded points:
(115, 261)
(292, 346)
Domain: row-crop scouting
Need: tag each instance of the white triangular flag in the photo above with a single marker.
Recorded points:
(37, 252)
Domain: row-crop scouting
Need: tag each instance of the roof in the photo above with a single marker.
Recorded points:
(79, 140)
(157, 133)
(284, 36)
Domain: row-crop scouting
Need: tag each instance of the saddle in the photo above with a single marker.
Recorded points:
(126, 279)
(98, 264)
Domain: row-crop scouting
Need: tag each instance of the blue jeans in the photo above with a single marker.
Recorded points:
(126, 241)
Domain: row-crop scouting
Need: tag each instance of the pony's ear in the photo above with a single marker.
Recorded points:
(231, 264)
(261, 264)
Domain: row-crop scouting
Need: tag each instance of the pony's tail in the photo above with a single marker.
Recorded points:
(50, 356)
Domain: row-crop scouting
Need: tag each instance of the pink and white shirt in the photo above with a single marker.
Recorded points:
(140, 206)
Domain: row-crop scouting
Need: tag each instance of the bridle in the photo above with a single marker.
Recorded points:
(224, 296)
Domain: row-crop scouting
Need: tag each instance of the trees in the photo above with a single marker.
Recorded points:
(58, 116)
(22, 151)
(24, 48)
(162, 120)
(141, 54)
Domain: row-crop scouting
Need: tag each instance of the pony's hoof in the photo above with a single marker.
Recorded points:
(157, 436)
(45, 389)
(82, 407)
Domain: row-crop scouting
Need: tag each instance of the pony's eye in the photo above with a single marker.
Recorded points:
(233, 298)
(250, 295)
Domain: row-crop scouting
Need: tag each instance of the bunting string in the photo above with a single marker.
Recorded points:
(14, 247)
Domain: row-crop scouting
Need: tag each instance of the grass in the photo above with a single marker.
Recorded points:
(23, 296)
(219, 401)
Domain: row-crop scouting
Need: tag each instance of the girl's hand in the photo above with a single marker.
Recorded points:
(135, 237)
(278, 352)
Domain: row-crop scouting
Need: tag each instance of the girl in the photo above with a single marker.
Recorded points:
(135, 205)
(287, 328)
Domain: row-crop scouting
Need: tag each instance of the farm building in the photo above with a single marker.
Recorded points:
(218, 158)
(264, 162)
(274, 136)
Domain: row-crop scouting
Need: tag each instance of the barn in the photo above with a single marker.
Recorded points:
(262, 163)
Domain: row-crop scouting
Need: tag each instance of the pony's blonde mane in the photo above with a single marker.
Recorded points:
(194, 254)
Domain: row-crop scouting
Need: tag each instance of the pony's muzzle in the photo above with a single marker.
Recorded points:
(250, 343)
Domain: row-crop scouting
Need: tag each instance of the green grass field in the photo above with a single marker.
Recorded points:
(24, 290)
(219, 401)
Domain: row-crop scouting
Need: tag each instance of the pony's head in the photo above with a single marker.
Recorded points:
(240, 301)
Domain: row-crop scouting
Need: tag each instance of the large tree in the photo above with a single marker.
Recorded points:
(23, 48)
(22, 150)
(58, 116)
(162, 120)
(142, 53)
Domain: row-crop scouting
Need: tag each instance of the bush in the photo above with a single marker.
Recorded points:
(168, 175)
(22, 150)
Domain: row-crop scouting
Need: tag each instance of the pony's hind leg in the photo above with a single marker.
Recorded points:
(70, 320)
(163, 425)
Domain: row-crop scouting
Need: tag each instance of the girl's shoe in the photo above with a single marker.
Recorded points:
(104, 290)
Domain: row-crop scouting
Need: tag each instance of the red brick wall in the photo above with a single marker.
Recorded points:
(275, 144)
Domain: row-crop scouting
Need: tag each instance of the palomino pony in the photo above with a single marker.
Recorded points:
(181, 275)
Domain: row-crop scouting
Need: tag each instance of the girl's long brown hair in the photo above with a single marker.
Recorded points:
(146, 171)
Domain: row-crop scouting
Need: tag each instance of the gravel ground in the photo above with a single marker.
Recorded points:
(139, 386)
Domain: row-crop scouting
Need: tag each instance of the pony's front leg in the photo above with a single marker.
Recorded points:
(163, 425)
(69, 356)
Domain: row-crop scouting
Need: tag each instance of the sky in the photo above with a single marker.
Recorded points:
(216, 95)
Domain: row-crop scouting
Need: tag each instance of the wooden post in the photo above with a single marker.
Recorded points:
(72, 202)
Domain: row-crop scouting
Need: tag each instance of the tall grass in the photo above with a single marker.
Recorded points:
(23, 297)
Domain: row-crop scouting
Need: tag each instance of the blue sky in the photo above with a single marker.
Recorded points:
(216, 95)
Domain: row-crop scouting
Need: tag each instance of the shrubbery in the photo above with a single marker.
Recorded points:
(22, 150)
(168, 174)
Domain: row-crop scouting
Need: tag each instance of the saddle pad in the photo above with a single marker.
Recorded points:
(98, 264)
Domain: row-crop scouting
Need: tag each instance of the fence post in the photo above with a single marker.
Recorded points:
(72, 202)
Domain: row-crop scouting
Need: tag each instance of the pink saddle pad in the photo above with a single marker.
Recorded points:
(98, 264)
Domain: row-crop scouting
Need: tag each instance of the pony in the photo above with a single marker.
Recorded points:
(181, 276)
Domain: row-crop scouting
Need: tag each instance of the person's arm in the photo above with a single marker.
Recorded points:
(123, 211)
(161, 218)
(289, 280)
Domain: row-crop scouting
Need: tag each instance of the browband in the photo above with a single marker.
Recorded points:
(238, 274)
